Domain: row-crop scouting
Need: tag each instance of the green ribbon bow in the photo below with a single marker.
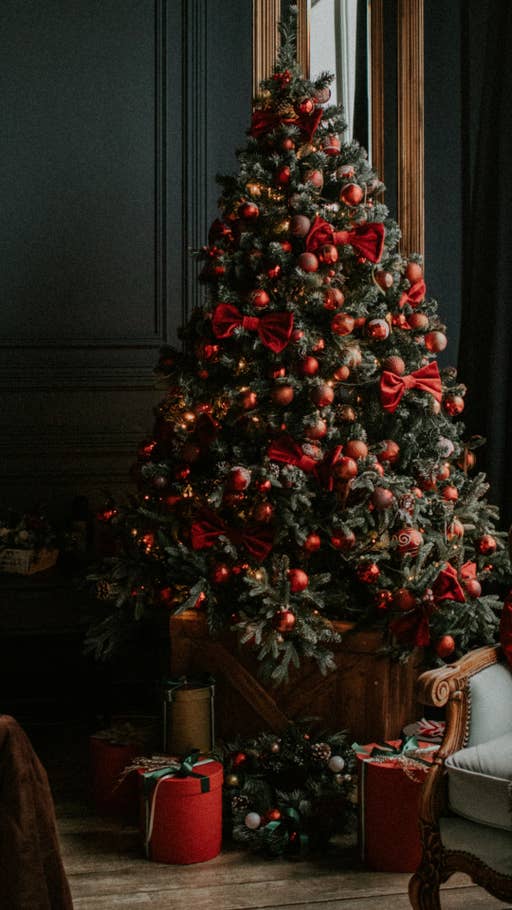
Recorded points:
(289, 823)
(152, 779)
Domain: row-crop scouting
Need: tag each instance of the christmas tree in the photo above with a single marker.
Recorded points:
(305, 462)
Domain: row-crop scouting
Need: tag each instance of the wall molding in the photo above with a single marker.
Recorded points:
(411, 128)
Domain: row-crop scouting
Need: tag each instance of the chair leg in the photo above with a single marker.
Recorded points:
(424, 889)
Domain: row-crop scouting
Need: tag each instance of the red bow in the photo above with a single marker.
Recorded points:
(287, 451)
(324, 468)
(256, 540)
(367, 239)
(468, 570)
(392, 387)
(447, 586)
(274, 329)
(266, 121)
(415, 295)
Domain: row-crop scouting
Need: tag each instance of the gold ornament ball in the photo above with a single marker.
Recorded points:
(232, 780)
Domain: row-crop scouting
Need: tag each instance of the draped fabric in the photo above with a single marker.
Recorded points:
(485, 360)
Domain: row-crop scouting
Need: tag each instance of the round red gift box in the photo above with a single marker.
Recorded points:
(187, 823)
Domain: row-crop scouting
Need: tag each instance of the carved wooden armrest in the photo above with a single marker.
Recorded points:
(449, 687)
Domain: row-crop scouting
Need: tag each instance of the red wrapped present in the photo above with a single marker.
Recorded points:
(182, 810)
(110, 752)
(391, 776)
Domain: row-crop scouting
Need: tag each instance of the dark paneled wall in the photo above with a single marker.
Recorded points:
(115, 119)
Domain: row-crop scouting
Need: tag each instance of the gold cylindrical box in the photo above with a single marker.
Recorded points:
(188, 716)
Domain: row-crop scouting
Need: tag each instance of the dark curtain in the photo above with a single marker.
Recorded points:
(485, 359)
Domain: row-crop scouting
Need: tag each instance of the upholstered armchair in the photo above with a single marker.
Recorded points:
(465, 807)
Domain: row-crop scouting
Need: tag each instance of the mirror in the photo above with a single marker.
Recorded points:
(331, 33)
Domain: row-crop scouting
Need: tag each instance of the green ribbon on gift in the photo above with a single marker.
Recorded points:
(406, 746)
(152, 780)
(289, 824)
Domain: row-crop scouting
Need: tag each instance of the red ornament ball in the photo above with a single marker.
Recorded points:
(309, 366)
(341, 373)
(377, 329)
(283, 395)
(308, 262)
(319, 345)
(355, 448)
(239, 759)
(315, 178)
(287, 144)
(368, 572)
(273, 815)
(259, 298)
(383, 599)
(342, 324)
(382, 498)
(298, 580)
(389, 452)
(445, 646)
(450, 493)
(248, 211)
(472, 587)
(285, 246)
(331, 145)
(328, 254)
(322, 395)
(307, 106)
(239, 479)
(409, 541)
(333, 299)
(394, 364)
(316, 430)
(418, 321)
(221, 573)
(274, 271)
(343, 542)
(312, 543)
(346, 468)
(249, 400)
(404, 600)
(453, 405)
(283, 175)
(264, 486)
(455, 529)
(413, 272)
(284, 621)
(486, 544)
(352, 194)
(263, 512)
(383, 279)
(300, 225)
(435, 341)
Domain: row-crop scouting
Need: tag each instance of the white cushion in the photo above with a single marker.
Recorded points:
(479, 779)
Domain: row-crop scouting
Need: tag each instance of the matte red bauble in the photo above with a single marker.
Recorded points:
(383, 279)
(221, 573)
(298, 580)
(444, 471)
(389, 452)
(264, 512)
(239, 479)
(383, 599)
(346, 468)
(283, 175)
(342, 541)
(312, 543)
(341, 373)
(322, 395)
(368, 572)
(259, 298)
(453, 405)
(409, 541)
(342, 324)
(450, 493)
(309, 366)
(331, 145)
(382, 498)
(307, 106)
(435, 341)
(486, 544)
(404, 600)
(445, 646)
(418, 321)
(282, 395)
(455, 529)
(394, 364)
(378, 329)
(284, 621)
(333, 299)
(352, 194)
(315, 178)
(308, 262)
(248, 211)
(316, 430)
(413, 272)
(328, 254)
(472, 587)
(287, 144)
(300, 225)
(355, 448)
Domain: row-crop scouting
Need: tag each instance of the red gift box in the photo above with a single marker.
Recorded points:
(389, 792)
(182, 812)
(111, 796)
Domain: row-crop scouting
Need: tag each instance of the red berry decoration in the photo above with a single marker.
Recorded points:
(308, 262)
(389, 452)
(453, 405)
(239, 479)
(352, 194)
(409, 541)
(282, 395)
(378, 329)
(394, 364)
(382, 498)
(342, 541)
(309, 366)
(356, 448)
(298, 580)
(435, 341)
(486, 544)
(300, 226)
(221, 573)
(328, 254)
(404, 600)
(368, 572)
(312, 543)
(249, 211)
(259, 298)
(322, 395)
(346, 468)
(445, 646)
(472, 587)
(283, 175)
(342, 324)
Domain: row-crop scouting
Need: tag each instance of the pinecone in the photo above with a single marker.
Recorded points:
(284, 108)
(103, 590)
(239, 803)
(321, 752)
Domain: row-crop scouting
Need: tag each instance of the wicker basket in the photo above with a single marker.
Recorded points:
(26, 562)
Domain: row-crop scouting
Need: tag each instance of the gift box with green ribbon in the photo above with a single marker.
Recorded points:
(391, 775)
(182, 809)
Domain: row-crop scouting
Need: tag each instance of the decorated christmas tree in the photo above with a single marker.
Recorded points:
(306, 462)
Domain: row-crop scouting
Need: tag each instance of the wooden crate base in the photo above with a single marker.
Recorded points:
(368, 694)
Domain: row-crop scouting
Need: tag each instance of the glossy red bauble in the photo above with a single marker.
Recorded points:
(383, 279)
(298, 580)
(418, 321)
(248, 211)
(316, 430)
(263, 512)
(342, 324)
(435, 342)
(307, 106)
(308, 262)
(300, 225)
(283, 175)
(355, 448)
(221, 573)
(259, 298)
(346, 468)
(368, 572)
(455, 529)
(342, 541)
(309, 366)
(312, 543)
(486, 544)
(445, 646)
(328, 254)
(322, 395)
(264, 486)
(404, 600)
(319, 345)
(382, 498)
(341, 373)
(248, 400)
(331, 145)
(287, 144)
(453, 405)
(284, 621)
(352, 194)
(450, 493)
(377, 329)
(282, 395)
(409, 541)
(444, 471)
(394, 364)
(239, 479)
(413, 272)
(274, 271)
(389, 452)
(472, 587)
(333, 299)
(315, 178)
(285, 246)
